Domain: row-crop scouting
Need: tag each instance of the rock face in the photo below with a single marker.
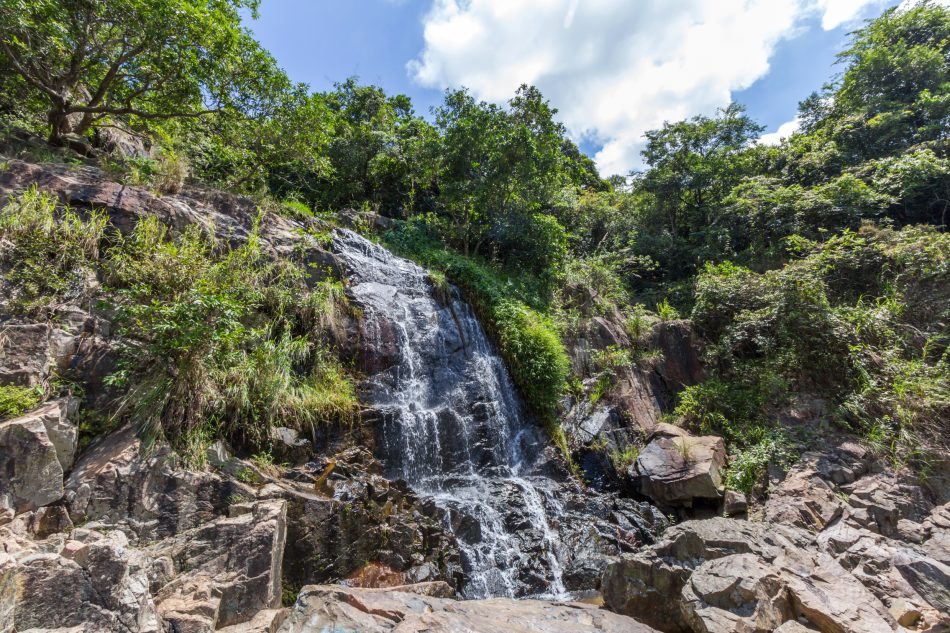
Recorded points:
(321, 608)
(638, 393)
(35, 450)
(118, 484)
(846, 545)
(728, 575)
(677, 469)
(88, 582)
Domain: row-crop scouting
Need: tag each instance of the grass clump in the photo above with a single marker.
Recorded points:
(222, 342)
(16, 400)
(50, 252)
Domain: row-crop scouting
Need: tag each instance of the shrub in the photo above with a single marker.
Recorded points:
(15, 400)
(173, 170)
(214, 347)
(52, 251)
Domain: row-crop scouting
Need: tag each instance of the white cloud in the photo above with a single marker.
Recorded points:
(784, 131)
(615, 68)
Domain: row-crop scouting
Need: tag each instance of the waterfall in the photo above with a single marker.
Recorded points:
(453, 425)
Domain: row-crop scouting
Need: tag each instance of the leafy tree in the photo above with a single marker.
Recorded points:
(896, 89)
(90, 60)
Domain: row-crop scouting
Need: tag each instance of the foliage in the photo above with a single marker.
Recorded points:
(220, 340)
(153, 60)
(51, 251)
(16, 400)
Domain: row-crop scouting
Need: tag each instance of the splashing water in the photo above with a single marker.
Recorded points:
(453, 425)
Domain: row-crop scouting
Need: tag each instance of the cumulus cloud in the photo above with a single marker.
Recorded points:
(784, 131)
(614, 68)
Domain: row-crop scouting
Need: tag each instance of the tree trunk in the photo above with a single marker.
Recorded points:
(59, 123)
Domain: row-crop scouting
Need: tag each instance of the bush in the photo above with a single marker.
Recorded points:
(219, 341)
(16, 400)
(51, 254)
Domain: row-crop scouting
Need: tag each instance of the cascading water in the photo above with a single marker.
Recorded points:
(453, 425)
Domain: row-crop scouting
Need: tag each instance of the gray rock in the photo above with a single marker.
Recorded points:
(225, 571)
(332, 608)
(735, 593)
(724, 575)
(97, 586)
(734, 503)
(930, 578)
(117, 483)
(676, 469)
(35, 450)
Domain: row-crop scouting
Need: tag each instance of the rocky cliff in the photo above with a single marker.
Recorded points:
(442, 486)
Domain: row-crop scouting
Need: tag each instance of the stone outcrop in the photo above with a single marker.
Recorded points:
(727, 575)
(678, 469)
(120, 484)
(88, 582)
(326, 608)
(35, 450)
(846, 545)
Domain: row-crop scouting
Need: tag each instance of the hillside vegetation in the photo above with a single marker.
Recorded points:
(817, 269)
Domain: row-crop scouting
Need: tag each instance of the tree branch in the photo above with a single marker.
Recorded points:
(23, 72)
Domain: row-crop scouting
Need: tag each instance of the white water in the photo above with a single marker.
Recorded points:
(454, 428)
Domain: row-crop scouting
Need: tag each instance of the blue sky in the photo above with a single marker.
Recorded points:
(613, 67)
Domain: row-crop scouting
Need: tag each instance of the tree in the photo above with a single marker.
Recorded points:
(92, 60)
(896, 90)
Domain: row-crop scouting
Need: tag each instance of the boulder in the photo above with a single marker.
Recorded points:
(677, 469)
(147, 494)
(35, 450)
(333, 608)
(735, 593)
(91, 583)
(734, 503)
(727, 575)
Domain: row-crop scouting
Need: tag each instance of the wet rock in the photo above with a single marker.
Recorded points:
(287, 446)
(325, 608)
(677, 469)
(359, 517)
(35, 450)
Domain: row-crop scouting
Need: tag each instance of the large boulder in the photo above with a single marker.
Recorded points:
(35, 450)
(332, 608)
(91, 582)
(728, 575)
(147, 493)
(677, 469)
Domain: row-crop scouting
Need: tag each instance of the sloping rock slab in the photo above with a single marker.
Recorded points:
(325, 608)
(721, 575)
